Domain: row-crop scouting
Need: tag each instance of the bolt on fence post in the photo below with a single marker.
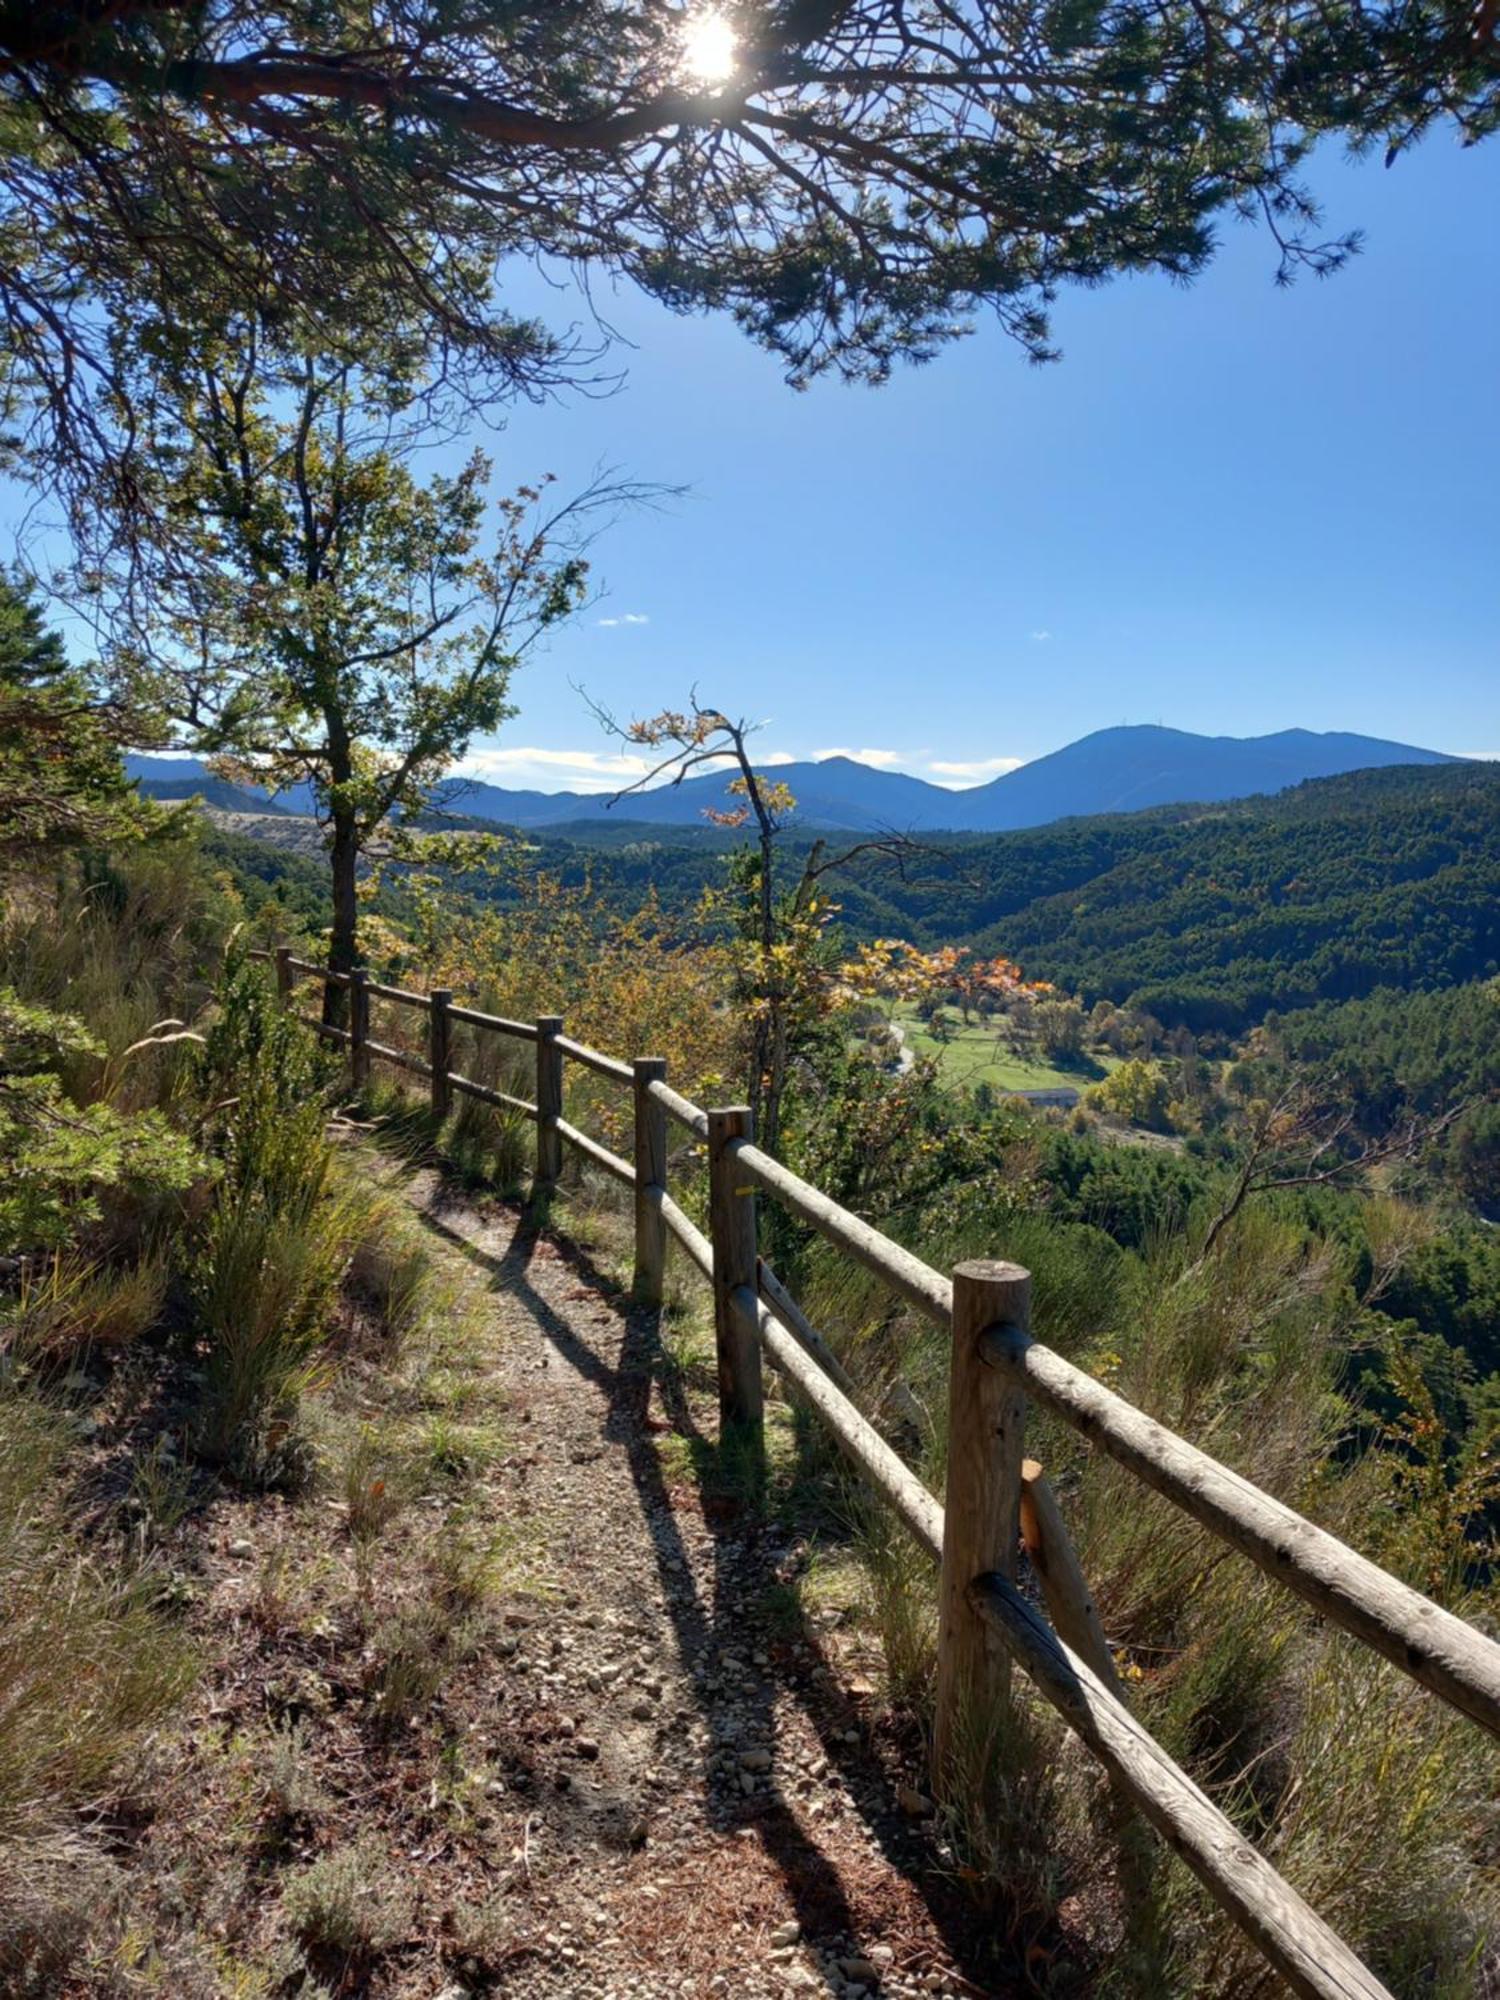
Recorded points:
(359, 1026)
(731, 1199)
(650, 1181)
(981, 1522)
(284, 974)
(440, 1049)
(549, 1101)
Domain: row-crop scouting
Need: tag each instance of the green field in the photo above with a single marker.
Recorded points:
(978, 1052)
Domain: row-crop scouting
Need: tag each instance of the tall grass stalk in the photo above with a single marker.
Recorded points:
(73, 1307)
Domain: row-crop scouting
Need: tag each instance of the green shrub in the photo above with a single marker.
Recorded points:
(389, 1278)
(100, 966)
(275, 1244)
(490, 1144)
(483, 1140)
(64, 1154)
(263, 1287)
(264, 1079)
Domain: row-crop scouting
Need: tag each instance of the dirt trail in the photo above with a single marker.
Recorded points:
(707, 1804)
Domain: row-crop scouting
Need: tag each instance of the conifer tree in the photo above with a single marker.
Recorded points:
(61, 777)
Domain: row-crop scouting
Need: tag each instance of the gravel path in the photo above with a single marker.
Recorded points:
(708, 1803)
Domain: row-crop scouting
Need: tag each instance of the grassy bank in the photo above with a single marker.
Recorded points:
(974, 1052)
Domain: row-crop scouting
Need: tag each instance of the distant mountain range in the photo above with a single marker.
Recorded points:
(175, 778)
(1112, 770)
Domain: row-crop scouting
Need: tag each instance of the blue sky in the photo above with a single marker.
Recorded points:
(1228, 508)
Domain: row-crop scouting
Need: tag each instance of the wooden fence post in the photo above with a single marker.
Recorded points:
(359, 1026)
(981, 1522)
(440, 1049)
(284, 973)
(650, 1181)
(549, 1101)
(731, 1202)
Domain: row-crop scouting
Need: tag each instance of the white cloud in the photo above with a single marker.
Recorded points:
(882, 760)
(527, 767)
(530, 768)
(1042, 636)
(956, 774)
(626, 618)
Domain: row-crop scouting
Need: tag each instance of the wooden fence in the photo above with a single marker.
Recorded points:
(995, 1497)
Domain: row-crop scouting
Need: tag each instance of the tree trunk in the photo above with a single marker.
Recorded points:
(343, 948)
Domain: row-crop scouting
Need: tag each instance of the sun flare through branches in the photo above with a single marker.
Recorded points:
(709, 47)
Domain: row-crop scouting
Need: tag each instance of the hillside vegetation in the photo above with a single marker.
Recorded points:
(1387, 879)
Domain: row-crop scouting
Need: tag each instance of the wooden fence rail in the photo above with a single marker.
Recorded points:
(995, 1498)
(1442, 1652)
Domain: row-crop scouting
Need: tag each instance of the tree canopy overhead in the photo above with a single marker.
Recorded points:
(853, 180)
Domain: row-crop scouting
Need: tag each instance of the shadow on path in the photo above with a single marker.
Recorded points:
(742, 1569)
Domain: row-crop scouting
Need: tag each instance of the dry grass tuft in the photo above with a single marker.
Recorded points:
(350, 1904)
(65, 1736)
(75, 1307)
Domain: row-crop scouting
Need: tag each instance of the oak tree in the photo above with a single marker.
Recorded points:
(316, 611)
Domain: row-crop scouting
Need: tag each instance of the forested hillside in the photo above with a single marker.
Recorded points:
(1382, 879)
(1207, 917)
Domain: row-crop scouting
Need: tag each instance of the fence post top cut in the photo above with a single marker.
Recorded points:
(649, 1067)
(549, 1024)
(991, 1271)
